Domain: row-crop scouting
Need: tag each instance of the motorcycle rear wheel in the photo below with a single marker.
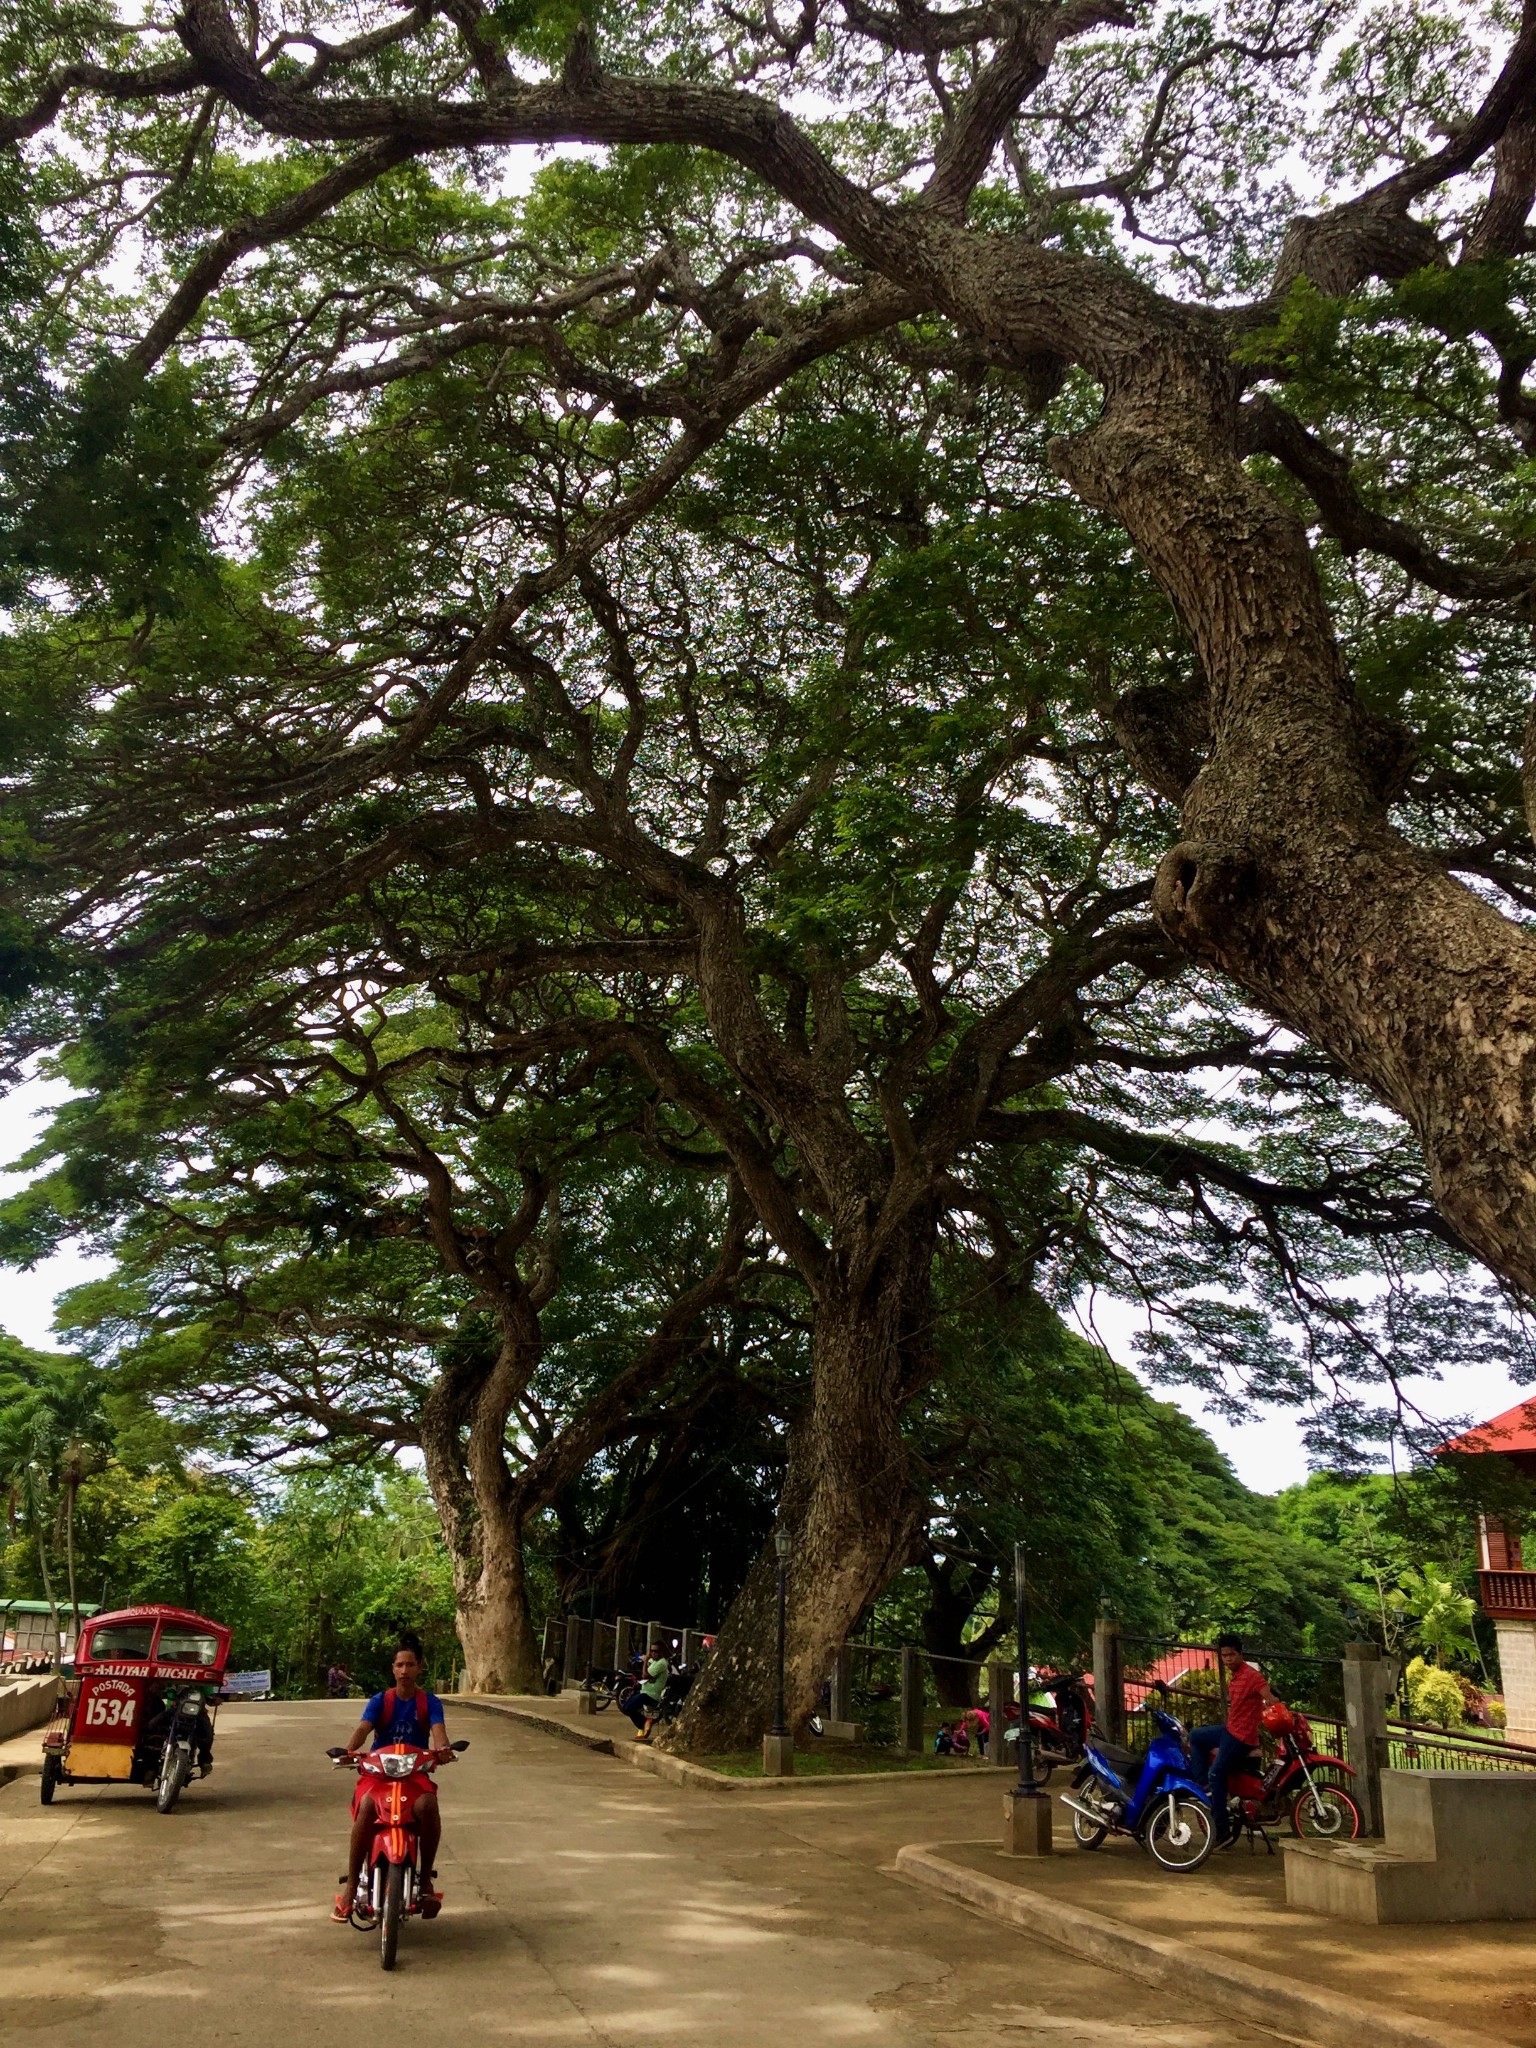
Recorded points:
(1325, 1814)
(391, 1913)
(1042, 1766)
(1180, 1834)
(1086, 1834)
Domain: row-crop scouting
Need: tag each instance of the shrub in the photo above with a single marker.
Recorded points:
(1474, 1702)
(1434, 1696)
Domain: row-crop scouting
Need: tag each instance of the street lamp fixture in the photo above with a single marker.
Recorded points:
(1026, 1787)
(781, 1546)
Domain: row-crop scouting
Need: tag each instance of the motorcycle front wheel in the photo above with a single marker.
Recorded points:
(174, 1766)
(1322, 1813)
(1179, 1835)
(391, 1913)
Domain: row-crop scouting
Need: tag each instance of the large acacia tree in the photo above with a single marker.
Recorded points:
(765, 808)
(418, 418)
(1094, 192)
(345, 1243)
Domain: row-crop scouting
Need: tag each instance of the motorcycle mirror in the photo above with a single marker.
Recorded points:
(334, 1753)
(1160, 1685)
(458, 1748)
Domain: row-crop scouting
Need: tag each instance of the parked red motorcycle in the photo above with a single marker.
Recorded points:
(1058, 1732)
(1291, 1787)
(390, 1879)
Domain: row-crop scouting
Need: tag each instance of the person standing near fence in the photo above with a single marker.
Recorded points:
(1219, 1749)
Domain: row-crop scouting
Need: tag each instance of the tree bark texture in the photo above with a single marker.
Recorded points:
(463, 1427)
(848, 1502)
(1289, 875)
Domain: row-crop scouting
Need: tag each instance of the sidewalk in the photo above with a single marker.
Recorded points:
(610, 1733)
(1478, 1978)
(21, 1754)
(1440, 1984)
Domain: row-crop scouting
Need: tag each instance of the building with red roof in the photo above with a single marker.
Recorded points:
(1506, 1589)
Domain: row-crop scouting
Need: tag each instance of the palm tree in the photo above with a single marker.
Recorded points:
(53, 1434)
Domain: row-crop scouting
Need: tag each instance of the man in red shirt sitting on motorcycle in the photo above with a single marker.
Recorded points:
(1219, 1750)
(407, 1712)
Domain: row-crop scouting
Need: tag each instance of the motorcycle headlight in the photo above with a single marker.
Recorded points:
(398, 1766)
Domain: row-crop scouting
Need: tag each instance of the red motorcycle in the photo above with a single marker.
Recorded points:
(390, 1879)
(1291, 1788)
(1058, 1732)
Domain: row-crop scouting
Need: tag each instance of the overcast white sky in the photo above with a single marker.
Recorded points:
(1266, 1451)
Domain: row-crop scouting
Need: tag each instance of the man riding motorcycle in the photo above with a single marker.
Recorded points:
(406, 1712)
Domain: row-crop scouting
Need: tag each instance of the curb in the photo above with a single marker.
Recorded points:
(677, 1771)
(546, 1724)
(1330, 2018)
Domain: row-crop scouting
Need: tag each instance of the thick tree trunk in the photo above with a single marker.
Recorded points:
(492, 1617)
(1290, 877)
(955, 1665)
(848, 1503)
(478, 1510)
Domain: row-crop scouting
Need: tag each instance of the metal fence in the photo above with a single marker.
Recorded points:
(897, 1694)
(1415, 1746)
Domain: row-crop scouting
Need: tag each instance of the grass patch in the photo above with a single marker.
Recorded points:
(834, 1760)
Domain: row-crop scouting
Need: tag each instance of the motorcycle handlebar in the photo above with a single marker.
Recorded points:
(431, 1758)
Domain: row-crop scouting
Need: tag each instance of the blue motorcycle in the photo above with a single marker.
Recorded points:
(1153, 1798)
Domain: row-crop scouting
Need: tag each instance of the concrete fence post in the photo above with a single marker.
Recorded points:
(1108, 1679)
(999, 1686)
(909, 1728)
(842, 1685)
(652, 1630)
(574, 1671)
(621, 1643)
(690, 1646)
(1367, 1689)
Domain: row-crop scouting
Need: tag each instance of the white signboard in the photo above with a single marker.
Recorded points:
(246, 1685)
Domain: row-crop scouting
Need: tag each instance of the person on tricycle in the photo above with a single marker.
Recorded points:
(161, 1704)
(405, 1712)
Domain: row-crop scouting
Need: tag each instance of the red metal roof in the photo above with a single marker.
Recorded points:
(1515, 1430)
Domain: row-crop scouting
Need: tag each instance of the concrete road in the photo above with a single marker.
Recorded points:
(588, 1906)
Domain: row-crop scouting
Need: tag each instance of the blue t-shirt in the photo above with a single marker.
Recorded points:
(406, 1724)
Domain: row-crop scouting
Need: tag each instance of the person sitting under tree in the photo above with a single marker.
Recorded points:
(406, 1712)
(1219, 1749)
(642, 1703)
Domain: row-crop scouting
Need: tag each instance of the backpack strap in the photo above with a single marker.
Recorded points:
(423, 1713)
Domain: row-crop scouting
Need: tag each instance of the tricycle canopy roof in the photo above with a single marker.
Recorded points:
(153, 1642)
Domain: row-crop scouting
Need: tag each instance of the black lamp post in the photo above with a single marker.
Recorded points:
(781, 1550)
(1026, 1787)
